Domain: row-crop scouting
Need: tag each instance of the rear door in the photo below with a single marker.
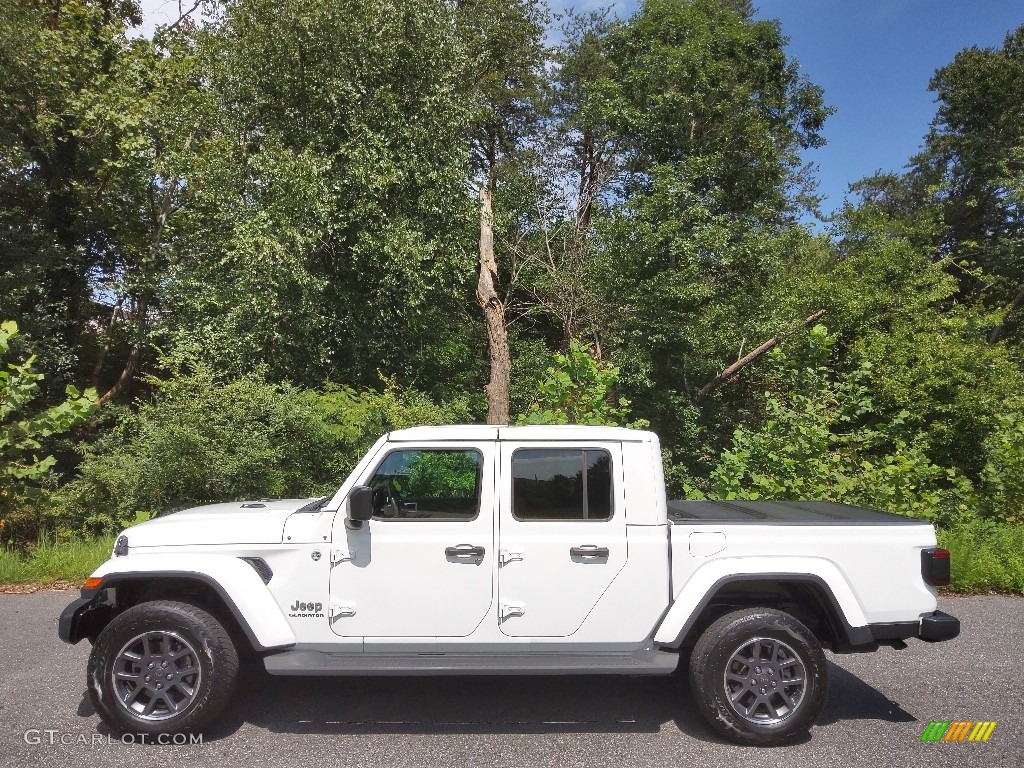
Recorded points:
(562, 534)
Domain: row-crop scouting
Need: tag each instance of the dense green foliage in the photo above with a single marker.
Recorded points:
(578, 389)
(22, 470)
(258, 239)
(201, 440)
(828, 439)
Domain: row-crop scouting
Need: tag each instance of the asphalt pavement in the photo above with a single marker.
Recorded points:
(878, 705)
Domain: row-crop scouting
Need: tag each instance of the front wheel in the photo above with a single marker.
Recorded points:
(162, 667)
(758, 676)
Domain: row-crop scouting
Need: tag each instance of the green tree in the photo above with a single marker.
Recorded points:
(710, 116)
(1002, 477)
(974, 162)
(573, 171)
(204, 438)
(327, 235)
(969, 180)
(502, 81)
(60, 222)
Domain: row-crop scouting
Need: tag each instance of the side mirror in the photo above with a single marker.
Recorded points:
(360, 505)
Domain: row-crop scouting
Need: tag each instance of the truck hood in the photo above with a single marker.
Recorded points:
(237, 522)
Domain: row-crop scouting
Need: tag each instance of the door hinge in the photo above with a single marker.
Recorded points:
(340, 555)
(339, 609)
(505, 557)
(508, 610)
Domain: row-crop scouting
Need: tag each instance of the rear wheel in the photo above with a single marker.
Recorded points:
(758, 676)
(162, 667)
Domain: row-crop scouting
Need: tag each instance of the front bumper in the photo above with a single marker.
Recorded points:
(84, 617)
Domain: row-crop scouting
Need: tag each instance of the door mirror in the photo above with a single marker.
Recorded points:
(360, 505)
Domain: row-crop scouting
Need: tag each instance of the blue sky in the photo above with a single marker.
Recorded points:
(874, 59)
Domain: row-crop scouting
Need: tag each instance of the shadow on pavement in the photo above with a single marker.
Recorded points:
(449, 705)
(850, 698)
(505, 705)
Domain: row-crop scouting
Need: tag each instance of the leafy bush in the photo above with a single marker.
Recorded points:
(1002, 479)
(355, 419)
(578, 390)
(202, 441)
(985, 555)
(22, 471)
(825, 439)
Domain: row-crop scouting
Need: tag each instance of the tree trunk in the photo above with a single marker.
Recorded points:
(494, 315)
(131, 367)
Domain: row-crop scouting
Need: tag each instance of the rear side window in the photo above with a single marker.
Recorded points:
(427, 485)
(561, 484)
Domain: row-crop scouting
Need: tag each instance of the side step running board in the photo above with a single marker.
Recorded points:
(308, 662)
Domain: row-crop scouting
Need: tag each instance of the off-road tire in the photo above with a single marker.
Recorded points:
(764, 703)
(185, 660)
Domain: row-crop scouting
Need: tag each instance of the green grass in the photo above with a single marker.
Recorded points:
(986, 556)
(50, 561)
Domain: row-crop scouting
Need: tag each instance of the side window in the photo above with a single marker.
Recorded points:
(427, 485)
(561, 484)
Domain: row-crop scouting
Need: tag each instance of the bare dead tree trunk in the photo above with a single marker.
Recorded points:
(748, 358)
(589, 182)
(493, 307)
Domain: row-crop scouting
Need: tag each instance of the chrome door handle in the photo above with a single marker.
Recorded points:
(588, 550)
(464, 550)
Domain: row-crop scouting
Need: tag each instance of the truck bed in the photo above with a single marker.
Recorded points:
(686, 512)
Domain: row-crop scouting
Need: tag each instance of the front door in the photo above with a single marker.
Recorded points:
(422, 567)
(562, 534)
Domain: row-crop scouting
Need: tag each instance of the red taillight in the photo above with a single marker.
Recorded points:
(935, 566)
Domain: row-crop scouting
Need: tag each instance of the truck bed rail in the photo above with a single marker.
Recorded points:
(686, 512)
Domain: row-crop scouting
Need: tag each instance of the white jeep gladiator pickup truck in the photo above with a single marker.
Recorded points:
(505, 550)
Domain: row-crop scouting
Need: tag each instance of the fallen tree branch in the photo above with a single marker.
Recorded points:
(726, 374)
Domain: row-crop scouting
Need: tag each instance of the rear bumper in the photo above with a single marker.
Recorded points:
(932, 628)
(939, 626)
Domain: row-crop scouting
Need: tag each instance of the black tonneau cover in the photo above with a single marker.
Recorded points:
(684, 512)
